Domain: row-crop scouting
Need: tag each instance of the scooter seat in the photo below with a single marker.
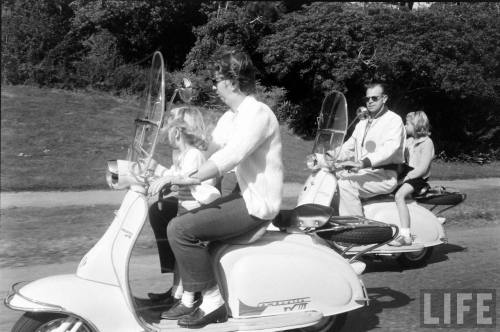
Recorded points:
(307, 216)
(441, 198)
(378, 199)
(249, 237)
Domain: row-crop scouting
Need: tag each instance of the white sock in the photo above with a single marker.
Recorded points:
(212, 299)
(405, 232)
(188, 299)
(178, 290)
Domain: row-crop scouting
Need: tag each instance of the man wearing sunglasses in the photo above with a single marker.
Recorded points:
(372, 154)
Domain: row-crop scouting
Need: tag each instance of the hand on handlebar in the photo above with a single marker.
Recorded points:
(157, 184)
(350, 166)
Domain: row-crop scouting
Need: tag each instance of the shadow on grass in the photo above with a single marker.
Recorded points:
(381, 298)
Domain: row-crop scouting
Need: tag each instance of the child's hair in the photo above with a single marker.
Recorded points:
(420, 123)
(237, 67)
(189, 121)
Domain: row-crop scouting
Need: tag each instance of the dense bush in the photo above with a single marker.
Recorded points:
(444, 60)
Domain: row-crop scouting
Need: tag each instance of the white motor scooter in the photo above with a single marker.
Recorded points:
(320, 189)
(271, 280)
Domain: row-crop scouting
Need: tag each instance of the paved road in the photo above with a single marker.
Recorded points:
(469, 261)
(113, 197)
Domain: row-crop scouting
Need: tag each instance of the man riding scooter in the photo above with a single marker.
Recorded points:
(371, 155)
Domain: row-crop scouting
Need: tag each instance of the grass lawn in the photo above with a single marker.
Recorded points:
(60, 140)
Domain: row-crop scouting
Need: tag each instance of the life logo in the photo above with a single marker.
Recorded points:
(289, 304)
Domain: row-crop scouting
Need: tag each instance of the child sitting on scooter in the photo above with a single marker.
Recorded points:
(419, 152)
(185, 133)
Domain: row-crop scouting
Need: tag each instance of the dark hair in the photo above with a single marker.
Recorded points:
(237, 67)
(372, 85)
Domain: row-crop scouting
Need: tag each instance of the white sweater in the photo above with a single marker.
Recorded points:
(254, 148)
(185, 164)
(383, 143)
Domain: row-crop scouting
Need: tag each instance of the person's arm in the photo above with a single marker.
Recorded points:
(348, 149)
(251, 128)
(391, 141)
(203, 192)
(424, 163)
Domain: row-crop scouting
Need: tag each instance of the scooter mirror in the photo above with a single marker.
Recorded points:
(186, 91)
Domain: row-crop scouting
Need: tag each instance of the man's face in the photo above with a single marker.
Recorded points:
(375, 99)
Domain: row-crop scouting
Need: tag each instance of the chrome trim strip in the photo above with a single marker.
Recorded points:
(15, 290)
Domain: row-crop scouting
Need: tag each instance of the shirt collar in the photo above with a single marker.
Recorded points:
(419, 140)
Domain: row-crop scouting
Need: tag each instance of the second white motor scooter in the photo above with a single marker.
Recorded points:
(320, 189)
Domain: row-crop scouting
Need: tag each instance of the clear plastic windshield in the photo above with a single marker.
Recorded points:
(148, 121)
(332, 125)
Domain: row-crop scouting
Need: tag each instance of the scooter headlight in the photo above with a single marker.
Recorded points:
(311, 161)
(120, 174)
(112, 173)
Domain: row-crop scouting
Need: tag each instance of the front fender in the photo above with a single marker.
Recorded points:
(101, 306)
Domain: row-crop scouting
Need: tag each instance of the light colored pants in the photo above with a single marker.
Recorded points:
(363, 184)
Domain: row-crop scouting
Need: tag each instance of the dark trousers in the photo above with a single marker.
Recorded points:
(189, 234)
(160, 214)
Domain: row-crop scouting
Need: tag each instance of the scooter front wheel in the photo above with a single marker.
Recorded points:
(327, 324)
(47, 322)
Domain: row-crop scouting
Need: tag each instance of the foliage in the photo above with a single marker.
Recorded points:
(444, 60)
(239, 25)
(30, 33)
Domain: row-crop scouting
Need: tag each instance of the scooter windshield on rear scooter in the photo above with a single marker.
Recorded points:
(331, 130)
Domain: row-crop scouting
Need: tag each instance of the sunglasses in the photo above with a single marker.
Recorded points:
(372, 98)
(215, 81)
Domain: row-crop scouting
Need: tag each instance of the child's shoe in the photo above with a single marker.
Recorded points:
(401, 240)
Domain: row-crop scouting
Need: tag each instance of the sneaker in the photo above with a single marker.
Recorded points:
(401, 241)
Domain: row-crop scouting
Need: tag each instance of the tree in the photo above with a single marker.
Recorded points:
(30, 30)
(444, 60)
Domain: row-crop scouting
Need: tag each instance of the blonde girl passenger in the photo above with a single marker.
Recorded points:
(185, 133)
(419, 153)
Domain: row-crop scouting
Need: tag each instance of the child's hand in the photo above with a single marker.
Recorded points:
(156, 185)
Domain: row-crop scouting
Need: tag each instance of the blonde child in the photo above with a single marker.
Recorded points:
(419, 152)
(185, 133)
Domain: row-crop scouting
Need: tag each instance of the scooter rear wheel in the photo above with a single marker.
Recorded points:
(47, 322)
(415, 259)
(327, 324)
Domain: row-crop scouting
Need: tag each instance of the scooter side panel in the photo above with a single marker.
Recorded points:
(286, 273)
(426, 228)
(99, 304)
